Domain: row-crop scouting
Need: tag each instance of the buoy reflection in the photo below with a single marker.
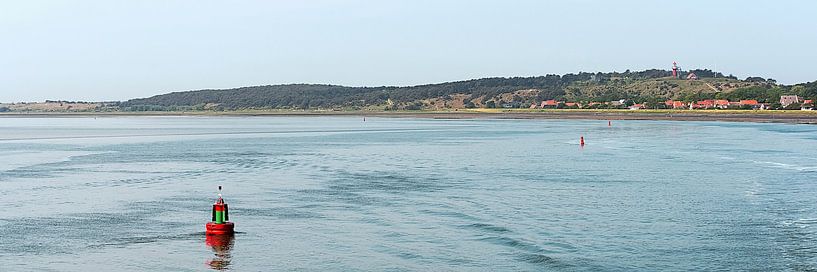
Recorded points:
(221, 246)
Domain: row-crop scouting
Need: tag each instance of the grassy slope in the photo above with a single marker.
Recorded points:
(666, 87)
(659, 87)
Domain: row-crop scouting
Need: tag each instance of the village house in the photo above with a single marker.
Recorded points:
(692, 76)
(675, 104)
(705, 104)
(722, 103)
(750, 102)
(807, 105)
(549, 103)
(786, 100)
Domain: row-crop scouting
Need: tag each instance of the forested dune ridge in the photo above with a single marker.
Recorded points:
(649, 86)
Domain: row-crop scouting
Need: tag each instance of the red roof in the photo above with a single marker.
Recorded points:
(807, 101)
(570, 104)
(722, 102)
(704, 104)
(748, 102)
(549, 103)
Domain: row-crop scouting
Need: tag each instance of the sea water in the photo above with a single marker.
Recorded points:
(405, 194)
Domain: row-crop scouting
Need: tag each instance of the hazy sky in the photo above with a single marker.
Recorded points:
(115, 50)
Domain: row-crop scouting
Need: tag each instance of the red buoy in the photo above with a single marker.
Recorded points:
(220, 229)
(581, 140)
(220, 224)
(609, 123)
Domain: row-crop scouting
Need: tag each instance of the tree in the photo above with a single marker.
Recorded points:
(414, 106)
(798, 90)
(490, 104)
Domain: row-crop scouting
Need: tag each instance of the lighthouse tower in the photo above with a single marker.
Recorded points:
(674, 70)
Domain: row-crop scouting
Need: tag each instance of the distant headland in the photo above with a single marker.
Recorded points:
(655, 91)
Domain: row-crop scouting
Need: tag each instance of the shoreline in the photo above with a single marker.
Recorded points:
(794, 117)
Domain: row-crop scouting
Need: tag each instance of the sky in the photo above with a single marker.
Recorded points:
(110, 50)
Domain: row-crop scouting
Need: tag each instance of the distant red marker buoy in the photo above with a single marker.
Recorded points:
(609, 123)
(581, 141)
(220, 224)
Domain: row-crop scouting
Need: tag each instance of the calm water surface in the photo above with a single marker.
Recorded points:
(340, 194)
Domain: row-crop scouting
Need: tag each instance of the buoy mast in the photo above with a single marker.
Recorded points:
(220, 214)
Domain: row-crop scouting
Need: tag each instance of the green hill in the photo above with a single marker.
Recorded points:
(648, 86)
